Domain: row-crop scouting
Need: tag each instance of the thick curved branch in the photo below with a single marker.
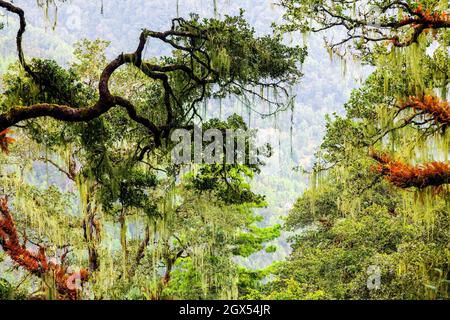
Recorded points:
(16, 10)
(67, 113)
(195, 66)
(58, 112)
(70, 114)
(106, 99)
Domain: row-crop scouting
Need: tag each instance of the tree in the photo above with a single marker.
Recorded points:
(207, 62)
(405, 24)
(351, 220)
(368, 209)
(106, 128)
(363, 23)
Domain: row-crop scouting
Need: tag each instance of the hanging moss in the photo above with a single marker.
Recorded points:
(216, 12)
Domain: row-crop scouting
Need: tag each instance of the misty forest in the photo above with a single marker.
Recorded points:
(348, 198)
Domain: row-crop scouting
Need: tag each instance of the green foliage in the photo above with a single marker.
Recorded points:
(253, 239)
(259, 58)
(91, 59)
(123, 189)
(293, 290)
(351, 219)
(335, 258)
(132, 190)
(163, 233)
(5, 290)
(52, 84)
(229, 182)
(8, 292)
(369, 27)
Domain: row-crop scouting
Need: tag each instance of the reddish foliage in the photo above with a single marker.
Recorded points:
(36, 263)
(422, 21)
(435, 17)
(438, 109)
(5, 141)
(406, 176)
(426, 18)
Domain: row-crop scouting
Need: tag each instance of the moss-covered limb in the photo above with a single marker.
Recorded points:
(406, 176)
(428, 112)
(420, 21)
(58, 112)
(132, 113)
(16, 10)
(36, 263)
(212, 51)
(67, 113)
(85, 114)
(140, 252)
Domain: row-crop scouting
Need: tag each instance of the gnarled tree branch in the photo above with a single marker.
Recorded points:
(195, 66)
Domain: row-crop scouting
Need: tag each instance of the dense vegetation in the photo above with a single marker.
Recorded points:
(92, 207)
(379, 196)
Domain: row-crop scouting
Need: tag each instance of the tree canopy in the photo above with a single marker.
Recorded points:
(93, 206)
(379, 199)
(105, 126)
